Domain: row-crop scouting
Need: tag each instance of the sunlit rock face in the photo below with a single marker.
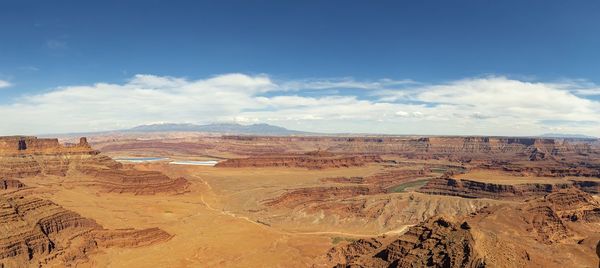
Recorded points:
(23, 157)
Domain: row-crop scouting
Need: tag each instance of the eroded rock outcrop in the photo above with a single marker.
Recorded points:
(344, 179)
(36, 232)
(312, 160)
(465, 148)
(22, 157)
(574, 205)
(305, 195)
(588, 186)
(29, 156)
(6, 184)
(546, 168)
(505, 235)
(386, 179)
(438, 242)
(476, 189)
(110, 176)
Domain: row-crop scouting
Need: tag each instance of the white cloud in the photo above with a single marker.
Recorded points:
(588, 91)
(4, 84)
(344, 83)
(476, 106)
(502, 97)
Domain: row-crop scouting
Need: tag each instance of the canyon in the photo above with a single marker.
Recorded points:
(542, 225)
(38, 232)
(298, 201)
(79, 164)
(310, 160)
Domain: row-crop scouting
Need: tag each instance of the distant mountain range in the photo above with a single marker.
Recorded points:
(256, 129)
(228, 128)
(567, 136)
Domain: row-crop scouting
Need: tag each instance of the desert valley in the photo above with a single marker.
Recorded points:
(299, 134)
(298, 201)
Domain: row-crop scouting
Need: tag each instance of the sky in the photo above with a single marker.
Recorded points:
(510, 68)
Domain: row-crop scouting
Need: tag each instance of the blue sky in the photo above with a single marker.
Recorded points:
(388, 57)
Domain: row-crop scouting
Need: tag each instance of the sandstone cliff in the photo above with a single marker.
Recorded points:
(22, 157)
(6, 184)
(437, 242)
(36, 232)
(548, 168)
(477, 189)
(465, 148)
(505, 235)
(311, 160)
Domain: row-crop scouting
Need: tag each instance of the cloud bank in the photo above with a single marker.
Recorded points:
(4, 84)
(493, 105)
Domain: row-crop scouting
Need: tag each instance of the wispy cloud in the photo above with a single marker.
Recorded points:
(4, 84)
(588, 91)
(492, 105)
(29, 68)
(344, 83)
(56, 44)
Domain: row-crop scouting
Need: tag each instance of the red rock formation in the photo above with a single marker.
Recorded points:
(462, 149)
(29, 223)
(574, 205)
(547, 169)
(128, 238)
(110, 176)
(344, 179)
(303, 195)
(544, 223)
(386, 179)
(437, 242)
(28, 156)
(22, 145)
(317, 160)
(37, 232)
(592, 187)
(353, 251)
(508, 235)
(477, 189)
(465, 148)
(6, 184)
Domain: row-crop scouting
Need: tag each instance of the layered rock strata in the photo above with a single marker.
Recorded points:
(437, 242)
(306, 195)
(319, 160)
(477, 189)
(465, 148)
(547, 169)
(36, 232)
(22, 157)
(6, 184)
(507, 235)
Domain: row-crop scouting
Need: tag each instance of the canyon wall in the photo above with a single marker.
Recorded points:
(22, 157)
(477, 189)
(312, 160)
(465, 148)
(36, 232)
(29, 156)
(540, 148)
(482, 239)
(28, 145)
(582, 168)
